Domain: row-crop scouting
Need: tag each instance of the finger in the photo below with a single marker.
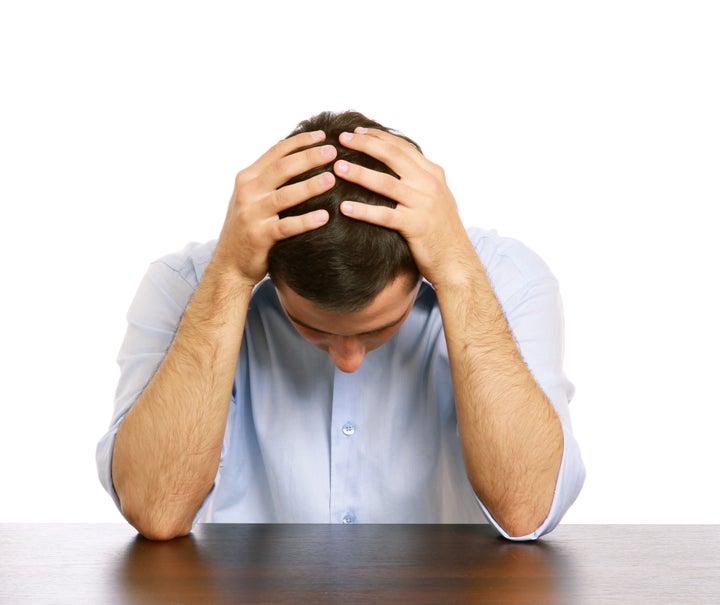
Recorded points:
(377, 215)
(279, 150)
(395, 152)
(285, 168)
(387, 136)
(379, 182)
(292, 195)
(282, 228)
(288, 146)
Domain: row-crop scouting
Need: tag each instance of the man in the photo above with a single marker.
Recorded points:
(393, 367)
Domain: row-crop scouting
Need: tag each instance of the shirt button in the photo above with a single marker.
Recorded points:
(348, 429)
(348, 518)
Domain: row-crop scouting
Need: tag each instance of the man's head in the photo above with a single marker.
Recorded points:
(344, 265)
(348, 337)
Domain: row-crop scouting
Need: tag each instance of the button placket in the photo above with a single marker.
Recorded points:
(344, 453)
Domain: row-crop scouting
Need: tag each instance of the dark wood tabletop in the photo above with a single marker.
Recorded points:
(221, 563)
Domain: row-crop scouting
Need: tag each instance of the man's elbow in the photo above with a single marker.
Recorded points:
(160, 530)
(163, 534)
(521, 519)
(157, 525)
(521, 526)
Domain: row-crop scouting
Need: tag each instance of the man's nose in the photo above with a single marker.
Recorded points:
(346, 352)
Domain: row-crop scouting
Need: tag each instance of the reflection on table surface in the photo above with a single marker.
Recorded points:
(393, 563)
(583, 564)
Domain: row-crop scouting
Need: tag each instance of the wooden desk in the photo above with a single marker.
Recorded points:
(576, 564)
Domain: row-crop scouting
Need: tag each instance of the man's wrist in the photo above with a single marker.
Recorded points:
(228, 278)
(462, 271)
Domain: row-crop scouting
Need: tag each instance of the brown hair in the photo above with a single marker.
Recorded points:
(343, 265)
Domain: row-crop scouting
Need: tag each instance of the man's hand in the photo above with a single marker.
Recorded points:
(252, 224)
(426, 214)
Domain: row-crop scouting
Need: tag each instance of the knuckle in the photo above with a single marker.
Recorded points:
(243, 217)
(282, 164)
(241, 177)
(284, 229)
(435, 188)
(279, 199)
(392, 185)
(242, 193)
(274, 196)
(279, 147)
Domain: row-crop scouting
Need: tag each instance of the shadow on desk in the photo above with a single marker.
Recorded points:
(342, 564)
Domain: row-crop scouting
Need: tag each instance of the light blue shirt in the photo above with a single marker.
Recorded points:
(307, 443)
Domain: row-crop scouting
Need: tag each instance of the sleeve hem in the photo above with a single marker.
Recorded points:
(571, 477)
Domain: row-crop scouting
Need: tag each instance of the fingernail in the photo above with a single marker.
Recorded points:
(322, 216)
(346, 208)
(346, 137)
(341, 167)
(361, 130)
(318, 135)
(326, 179)
(327, 151)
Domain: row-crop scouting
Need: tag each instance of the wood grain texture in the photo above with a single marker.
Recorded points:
(576, 564)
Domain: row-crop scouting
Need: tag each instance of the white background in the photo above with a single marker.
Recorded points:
(589, 130)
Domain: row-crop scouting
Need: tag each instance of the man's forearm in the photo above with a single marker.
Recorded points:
(167, 449)
(511, 436)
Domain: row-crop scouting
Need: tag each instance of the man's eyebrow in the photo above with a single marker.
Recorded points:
(373, 331)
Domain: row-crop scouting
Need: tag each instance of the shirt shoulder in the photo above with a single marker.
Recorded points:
(499, 252)
(189, 263)
(511, 265)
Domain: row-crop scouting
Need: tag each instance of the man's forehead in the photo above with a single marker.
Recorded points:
(387, 309)
(403, 284)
